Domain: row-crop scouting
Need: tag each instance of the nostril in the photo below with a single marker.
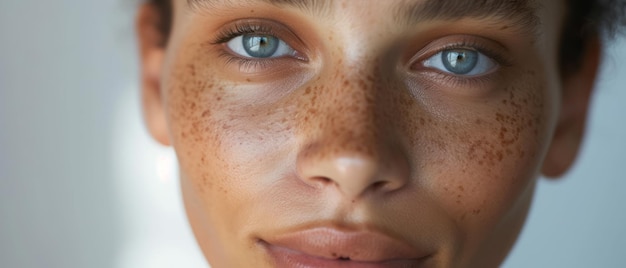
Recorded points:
(322, 180)
(378, 185)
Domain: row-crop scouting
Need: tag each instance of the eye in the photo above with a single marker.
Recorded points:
(259, 46)
(461, 61)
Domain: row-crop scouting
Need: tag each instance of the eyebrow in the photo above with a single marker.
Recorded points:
(521, 13)
(315, 7)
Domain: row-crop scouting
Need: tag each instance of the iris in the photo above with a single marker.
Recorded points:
(459, 61)
(260, 46)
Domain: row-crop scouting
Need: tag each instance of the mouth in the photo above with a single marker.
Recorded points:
(329, 247)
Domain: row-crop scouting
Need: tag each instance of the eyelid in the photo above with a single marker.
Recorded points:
(489, 48)
(482, 61)
(263, 27)
(258, 66)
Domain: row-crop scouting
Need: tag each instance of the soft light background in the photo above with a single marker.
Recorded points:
(82, 185)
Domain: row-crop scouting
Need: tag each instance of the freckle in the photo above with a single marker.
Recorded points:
(504, 27)
(206, 181)
(479, 122)
(206, 113)
(461, 188)
(499, 117)
(248, 80)
(252, 11)
(504, 101)
(476, 211)
(422, 121)
(481, 162)
(192, 69)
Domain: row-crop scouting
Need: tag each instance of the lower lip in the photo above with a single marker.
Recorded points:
(284, 257)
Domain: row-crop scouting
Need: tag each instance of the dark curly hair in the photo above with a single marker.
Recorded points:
(586, 19)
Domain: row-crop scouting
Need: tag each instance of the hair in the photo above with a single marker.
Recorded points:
(164, 8)
(585, 21)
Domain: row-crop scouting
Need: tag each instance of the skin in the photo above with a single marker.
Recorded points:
(355, 131)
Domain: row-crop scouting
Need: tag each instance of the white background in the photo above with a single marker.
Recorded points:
(82, 185)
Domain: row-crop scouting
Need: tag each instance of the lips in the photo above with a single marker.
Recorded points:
(330, 247)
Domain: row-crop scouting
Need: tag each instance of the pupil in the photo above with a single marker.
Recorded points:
(260, 46)
(460, 61)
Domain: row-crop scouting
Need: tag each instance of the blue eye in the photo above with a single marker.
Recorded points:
(465, 62)
(259, 46)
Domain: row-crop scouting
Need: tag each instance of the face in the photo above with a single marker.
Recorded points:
(363, 133)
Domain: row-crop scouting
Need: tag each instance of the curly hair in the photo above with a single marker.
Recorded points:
(585, 20)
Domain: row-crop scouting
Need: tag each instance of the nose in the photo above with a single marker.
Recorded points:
(350, 144)
(353, 172)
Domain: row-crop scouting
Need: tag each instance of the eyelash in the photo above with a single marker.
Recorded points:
(463, 81)
(471, 44)
(242, 28)
(239, 29)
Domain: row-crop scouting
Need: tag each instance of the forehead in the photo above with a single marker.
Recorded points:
(404, 7)
(524, 14)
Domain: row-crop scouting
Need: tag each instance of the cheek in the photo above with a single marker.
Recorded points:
(489, 157)
(227, 150)
(214, 137)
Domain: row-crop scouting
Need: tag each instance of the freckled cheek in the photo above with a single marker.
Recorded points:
(494, 156)
(221, 143)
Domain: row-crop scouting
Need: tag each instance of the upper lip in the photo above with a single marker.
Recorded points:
(364, 245)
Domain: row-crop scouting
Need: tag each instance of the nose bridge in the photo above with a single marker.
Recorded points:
(350, 144)
(353, 114)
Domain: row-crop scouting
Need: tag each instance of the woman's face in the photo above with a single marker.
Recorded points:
(363, 133)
